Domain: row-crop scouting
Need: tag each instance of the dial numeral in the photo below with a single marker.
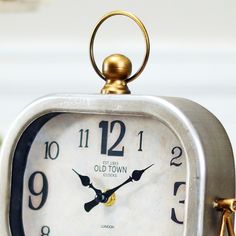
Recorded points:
(173, 213)
(52, 150)
(43, 192)
(177, 152)
(45, 231)
(140, 134)
(82, 133)
(104, 126)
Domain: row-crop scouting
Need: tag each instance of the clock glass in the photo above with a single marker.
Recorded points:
(96, 174)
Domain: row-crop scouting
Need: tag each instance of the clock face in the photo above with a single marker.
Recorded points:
(82, 174)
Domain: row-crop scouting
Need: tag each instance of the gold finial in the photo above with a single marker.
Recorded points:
(117, 68)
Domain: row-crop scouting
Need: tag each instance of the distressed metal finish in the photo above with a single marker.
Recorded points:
(209, 157)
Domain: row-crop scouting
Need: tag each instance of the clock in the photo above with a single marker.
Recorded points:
(116, 164)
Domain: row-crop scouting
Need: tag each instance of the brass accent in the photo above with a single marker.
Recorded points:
(227, 206)
(111, 200)
(117, 68)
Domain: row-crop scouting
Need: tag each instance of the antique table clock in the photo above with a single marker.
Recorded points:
(116, 164)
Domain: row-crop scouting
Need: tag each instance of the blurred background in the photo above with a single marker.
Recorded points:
(44, 49)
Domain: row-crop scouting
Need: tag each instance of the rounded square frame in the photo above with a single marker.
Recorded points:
(209, 156)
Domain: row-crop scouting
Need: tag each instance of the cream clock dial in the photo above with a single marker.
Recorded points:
(141, 152)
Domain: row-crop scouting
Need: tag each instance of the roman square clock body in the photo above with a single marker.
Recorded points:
(116, 164)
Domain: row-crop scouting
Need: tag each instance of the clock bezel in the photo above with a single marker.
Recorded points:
(195, 127)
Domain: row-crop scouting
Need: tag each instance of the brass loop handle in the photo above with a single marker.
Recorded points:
(144, 31)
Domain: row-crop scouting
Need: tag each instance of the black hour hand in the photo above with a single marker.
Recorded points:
(85, 180)
(90, 205)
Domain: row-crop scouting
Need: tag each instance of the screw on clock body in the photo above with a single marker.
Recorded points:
(111, 200)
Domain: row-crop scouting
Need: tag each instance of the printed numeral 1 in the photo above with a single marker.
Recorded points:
(140, 134)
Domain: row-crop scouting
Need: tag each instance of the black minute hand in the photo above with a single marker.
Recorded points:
(85, 180)
(136, 176)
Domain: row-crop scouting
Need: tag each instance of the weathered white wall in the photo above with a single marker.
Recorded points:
(202, 22)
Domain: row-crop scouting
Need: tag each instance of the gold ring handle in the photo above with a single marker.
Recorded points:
(144, 31)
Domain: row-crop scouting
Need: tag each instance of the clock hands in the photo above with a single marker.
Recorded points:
(85, 180)
(103, 197)
(136, 176)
